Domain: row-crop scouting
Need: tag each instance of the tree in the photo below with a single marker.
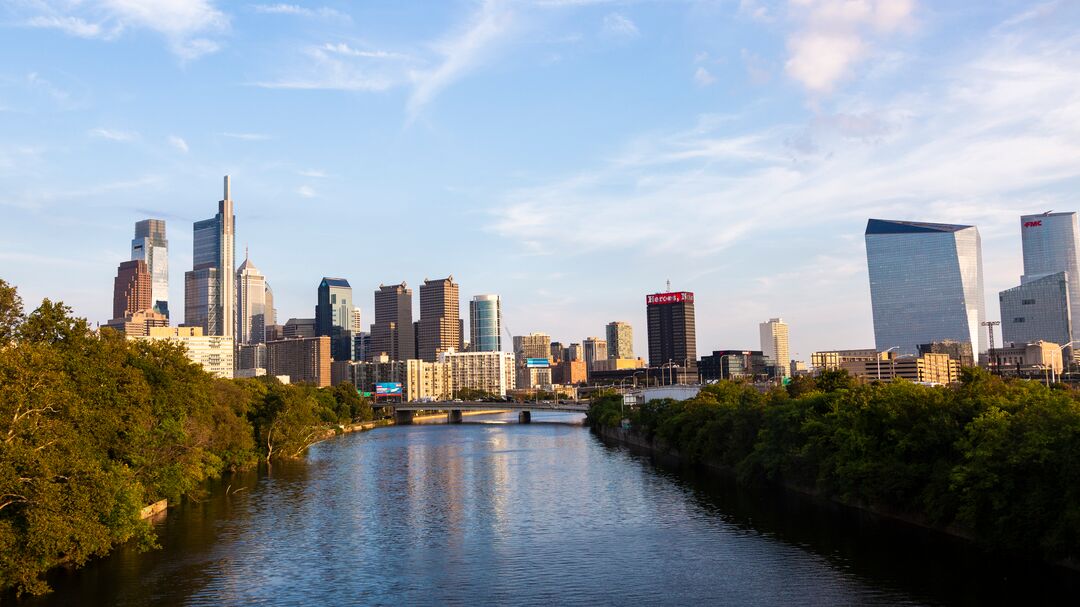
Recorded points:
(11, 312)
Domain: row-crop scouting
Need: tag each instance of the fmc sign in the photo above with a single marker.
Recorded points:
(669, 298)
(1033, 224)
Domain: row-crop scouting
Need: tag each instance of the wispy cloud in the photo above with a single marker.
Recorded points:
(702, 77)
(248, 136)
(462, 52)
(178, 143)
(306, 191)
(300, 11)
(833, 36)
(313, 173)
(113, 135)
(339, 66)
(619, 26)
(183, 23)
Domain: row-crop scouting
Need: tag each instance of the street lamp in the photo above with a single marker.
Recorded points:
(879, 361)
(1061, 350)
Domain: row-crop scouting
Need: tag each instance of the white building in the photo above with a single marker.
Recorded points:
(427, 381)
(250, 304)
(213, 352)
(488, 371)
(774, 345)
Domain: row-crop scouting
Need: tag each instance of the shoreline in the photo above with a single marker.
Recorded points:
(671, 457)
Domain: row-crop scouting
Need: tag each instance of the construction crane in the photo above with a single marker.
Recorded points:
(990, 324)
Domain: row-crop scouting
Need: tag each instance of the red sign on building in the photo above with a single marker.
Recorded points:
(1032, 224)
(669, 298)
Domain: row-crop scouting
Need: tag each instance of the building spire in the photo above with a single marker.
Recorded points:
(227, 187)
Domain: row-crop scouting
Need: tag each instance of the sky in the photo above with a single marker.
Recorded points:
(569, 155)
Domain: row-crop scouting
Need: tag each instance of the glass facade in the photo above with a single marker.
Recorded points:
(485, 324)
(333, 316)
(1037, 310)
(213, 306)
(151, 246)
(250, 304)
(926, 284)
(1051, 244)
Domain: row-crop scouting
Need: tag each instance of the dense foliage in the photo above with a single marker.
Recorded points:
(93, 427)
(999, 460)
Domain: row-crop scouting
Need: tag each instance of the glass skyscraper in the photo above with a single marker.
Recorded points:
(334, 315)
(251, 293)
(1051, 244)
(485, 323)
(926, 284)
(209, 288)
(151, 246)
(1037, 310)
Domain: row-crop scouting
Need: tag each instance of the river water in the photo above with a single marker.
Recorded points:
(491, 512)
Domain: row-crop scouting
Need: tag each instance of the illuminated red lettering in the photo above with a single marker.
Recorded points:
(1032, 224)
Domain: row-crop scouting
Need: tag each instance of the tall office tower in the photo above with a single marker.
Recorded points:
(250, 304)
(926, 284)
(1038, 309)
(672, 331)
(595, 349)
(440, 313)
(151, 246)
(533, 345)
(209, 289)
(271, 313)
(1051, 244)
(392, 331)
(574, 353)
(620, 340)
(774, 345)
(131, 289)
(334, 316)
(485, 323)
(356, 325)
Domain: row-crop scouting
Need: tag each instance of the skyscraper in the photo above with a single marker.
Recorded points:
(485, 323)
(150, 246)
(620, 340)
(533, 345)
(672, 332)
(356, 325)
(774, 345)
(131, 289)
(1038, 309)
(209, 289)
(392, 331)
(1051, 243)
(334, 316)
(926, 284)
(440, 313)
(271, 313)
(595, 349)
(251, 291)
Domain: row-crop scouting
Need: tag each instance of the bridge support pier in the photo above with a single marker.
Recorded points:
(453, 416)
(525, 417)
(403, 418)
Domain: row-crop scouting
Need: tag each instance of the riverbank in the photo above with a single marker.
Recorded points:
(666, 455)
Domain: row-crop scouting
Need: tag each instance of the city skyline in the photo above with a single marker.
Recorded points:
(580, 236)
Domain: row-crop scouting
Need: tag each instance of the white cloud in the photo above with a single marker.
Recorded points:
(113, 135)
(313, 173)
(461, 53)
(702, 77)
(306, 192)
(183, 23)
(300, 11)
(618, 25)
(833, 36)
(338, 66)
(344, 49)
(248, 136)
(178, 143)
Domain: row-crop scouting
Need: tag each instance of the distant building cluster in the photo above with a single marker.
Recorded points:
(926, 289)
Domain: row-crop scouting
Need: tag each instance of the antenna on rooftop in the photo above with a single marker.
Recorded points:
(669, 285)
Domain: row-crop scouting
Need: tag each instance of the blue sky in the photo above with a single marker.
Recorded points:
(570, 155)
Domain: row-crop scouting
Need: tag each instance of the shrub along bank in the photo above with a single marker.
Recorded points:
(93, 427)
(995, 460)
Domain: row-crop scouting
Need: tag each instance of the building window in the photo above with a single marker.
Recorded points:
(1028, 302)
(1018, 319)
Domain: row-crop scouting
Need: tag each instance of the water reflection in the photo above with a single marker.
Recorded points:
(537, 514)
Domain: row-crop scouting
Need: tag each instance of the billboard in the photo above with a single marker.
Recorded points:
(388, 389)
(537, 363)
(669, 298)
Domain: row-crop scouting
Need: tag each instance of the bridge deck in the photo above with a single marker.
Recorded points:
(566, 407)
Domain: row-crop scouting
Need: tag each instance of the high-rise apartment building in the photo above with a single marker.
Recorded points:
(620, 340)
(151, 246)
(533, 345)
(595, 349)
(574, 353)
(672, 331)
(491, 372)
(774, 345)
(392, 332)
(251, 293)
(334, 316)
(131, 289)
(357, 324)
(304, 360)
(926, 284)
(212, 352)
(209, 288)
(440, 315)
(485, 324)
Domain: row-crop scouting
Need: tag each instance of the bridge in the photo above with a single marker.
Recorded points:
(404, 412)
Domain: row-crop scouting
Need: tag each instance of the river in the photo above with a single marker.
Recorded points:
(491, 512)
